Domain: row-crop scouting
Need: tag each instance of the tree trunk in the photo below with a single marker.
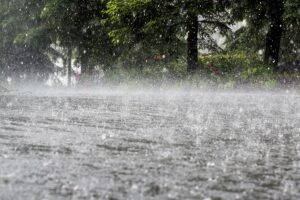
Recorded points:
(69, 66)
(83, 61)
(192, 42)
(65, 68)
(274, 35)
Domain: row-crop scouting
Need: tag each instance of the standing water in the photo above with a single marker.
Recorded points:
(150, 145)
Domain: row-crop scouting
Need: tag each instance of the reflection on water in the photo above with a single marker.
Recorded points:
(150, 146)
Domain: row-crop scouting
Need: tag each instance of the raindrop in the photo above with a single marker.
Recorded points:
(104, 136)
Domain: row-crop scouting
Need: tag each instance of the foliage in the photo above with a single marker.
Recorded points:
(152, 26)
(233, 68)
(147, 38)
(18, 58)
(257, 15)
(240, 66)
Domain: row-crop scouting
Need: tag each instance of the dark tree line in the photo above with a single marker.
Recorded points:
(102, 33)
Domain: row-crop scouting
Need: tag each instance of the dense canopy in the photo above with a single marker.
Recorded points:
(94, 35)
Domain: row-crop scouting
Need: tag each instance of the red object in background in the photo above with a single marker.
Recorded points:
(214, 69)
(157, 57)
(77, 77)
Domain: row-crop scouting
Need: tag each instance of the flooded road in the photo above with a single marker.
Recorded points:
(139, 145)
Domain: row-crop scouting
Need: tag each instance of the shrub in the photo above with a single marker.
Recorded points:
(239, 66)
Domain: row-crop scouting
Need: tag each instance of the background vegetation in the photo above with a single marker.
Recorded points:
(150, 40)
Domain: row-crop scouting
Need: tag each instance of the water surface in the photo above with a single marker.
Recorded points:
(150, 145)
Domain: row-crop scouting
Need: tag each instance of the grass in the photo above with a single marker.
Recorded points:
(227, 70)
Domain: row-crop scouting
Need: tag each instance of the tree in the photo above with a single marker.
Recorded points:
(290, 44)
(275, 30)
(173, 22)
(76, 25)
(192, 26)
(142, 28)
(271, 25)
(17, 59)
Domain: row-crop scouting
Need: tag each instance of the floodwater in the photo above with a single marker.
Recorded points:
(150, 145)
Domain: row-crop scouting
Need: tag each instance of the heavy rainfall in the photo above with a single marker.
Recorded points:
(149, 99)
